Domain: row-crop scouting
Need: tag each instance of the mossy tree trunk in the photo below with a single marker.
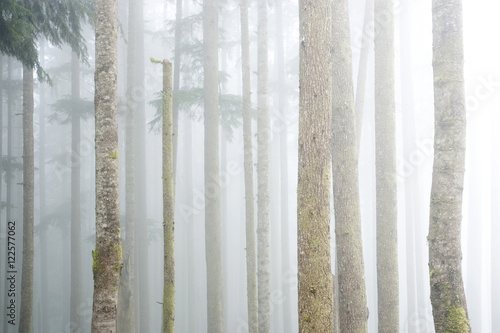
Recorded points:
(350, 274)
(449, 307)
(385, 165)
(107, 255)
(26, 315)
(168, 203)
(263, 209)
(315, 284)
(252, 302)
(126, 301)
(213, 245)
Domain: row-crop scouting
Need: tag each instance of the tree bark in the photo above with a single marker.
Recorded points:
(107, 255)
(385, 165)
(252, 302)
(212, 188)
(263, 134)
(315, 284)
(26, 315)
(353, 312)
(168, 203)
(449, 306)
(76, 283)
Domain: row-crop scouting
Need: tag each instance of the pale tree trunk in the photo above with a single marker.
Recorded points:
(282, 102)
(142, 303)
(495, 226)
(385, 165)
(213, 250)
(350, 271)
(263, 134)
(366, 34)
(315, 283)
(126, 301)
(449, 307)
(76, 283)
(26, 315)
(253, 318)
(107, 255)
(168, 203)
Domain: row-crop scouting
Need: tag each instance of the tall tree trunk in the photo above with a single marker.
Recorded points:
(76, 239)
(26, 315)
(212, 189)
(449, 306)
(252, 303)
(359, 103)
(168, 203)
(142, 302)
(315, 284)
(352, 290)
(126, 301)
(495, 217)
(108, 252)
(263, 134)
(3, 261)
(385, 164)
(282, 102)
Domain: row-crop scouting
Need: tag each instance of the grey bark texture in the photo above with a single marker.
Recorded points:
(126, 301)
(449, 307)
(315, 283)
(263, 209)
(353, 312)
(168, 203)
(251, 264)
(107, 255)
(385, 166)
(26, 315)
(213, 241)
(76, 274)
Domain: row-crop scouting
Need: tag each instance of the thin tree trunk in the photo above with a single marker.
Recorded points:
(168, 203)
(126, 301)
(449, 306)
(76, 239)
(385, 163)
(353, 312)
(213, 243)
(252, 302)
(107, 255)
(263, 134)
(26, 315)
(315, 284)
(282, 102)
(142, 302)
(366, 34)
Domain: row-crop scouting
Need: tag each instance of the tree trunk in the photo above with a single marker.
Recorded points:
(76, 239)
(108, 252)
(315, 284)
(26, 315)
(141, 198)
(212, 189)
(263, 134)
(353, 312)
(385, 164)
(126, 301)
(253, 318)
(168, 203)
(449, 306)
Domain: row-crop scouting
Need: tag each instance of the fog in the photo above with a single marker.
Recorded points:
(55, 157)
